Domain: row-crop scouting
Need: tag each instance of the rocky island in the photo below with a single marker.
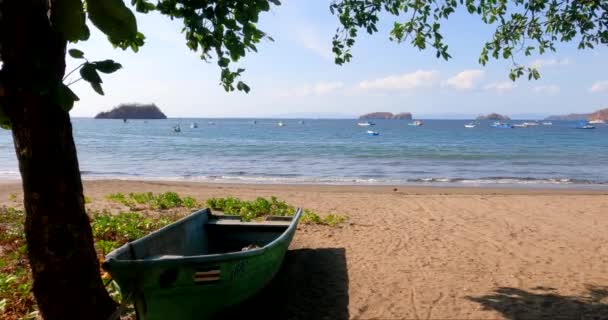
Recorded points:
(569, 117)
(601, 114)
(493, 116)
(133, 111)
(386, 115)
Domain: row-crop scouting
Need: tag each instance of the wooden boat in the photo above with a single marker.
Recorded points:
(201, 264)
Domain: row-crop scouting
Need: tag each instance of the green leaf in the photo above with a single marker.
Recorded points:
(76, 54)
(89, 73)
(5, 122)
(113, 18)
(65, 97)
(241, 86)
(107, 66)
(97, 87)
(67, 16)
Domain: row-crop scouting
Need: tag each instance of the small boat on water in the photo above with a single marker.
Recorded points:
(177, 128)
(520, 125)
(416, 123)
(501, 125)
(470, 125)
(366, 124)
(547, 123)
(254, 122)
(211, 123)
(201, 264)
(585, 125)
(373, 133)
(531, 124)
(193, 125)
(597, 121)
(280, 124)
(301, 122)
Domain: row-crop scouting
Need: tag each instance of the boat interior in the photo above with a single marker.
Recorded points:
(203, 233)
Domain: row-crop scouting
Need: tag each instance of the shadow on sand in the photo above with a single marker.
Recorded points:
(312, 284)
(544, 303)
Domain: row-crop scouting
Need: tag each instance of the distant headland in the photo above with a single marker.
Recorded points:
(493, 116)
(133, 111)
(387, 115)
(601, 114)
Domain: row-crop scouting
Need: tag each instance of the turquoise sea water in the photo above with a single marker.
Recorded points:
(335, 152)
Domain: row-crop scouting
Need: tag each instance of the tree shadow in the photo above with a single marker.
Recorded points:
(311, 284)
(544, 303)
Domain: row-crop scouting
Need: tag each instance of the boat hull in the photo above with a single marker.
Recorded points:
(169, 278)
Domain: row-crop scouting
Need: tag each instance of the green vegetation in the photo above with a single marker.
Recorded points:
(260, 207)
(12, 197)
(15, 281)
(87, 200)
(162, 201)
(109, 233)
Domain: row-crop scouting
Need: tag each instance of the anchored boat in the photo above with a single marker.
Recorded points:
(365, 124)
(201, 264)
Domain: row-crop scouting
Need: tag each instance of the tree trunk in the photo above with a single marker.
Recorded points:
(65, 269)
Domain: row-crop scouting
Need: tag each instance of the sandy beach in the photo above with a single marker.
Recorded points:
(423, 252)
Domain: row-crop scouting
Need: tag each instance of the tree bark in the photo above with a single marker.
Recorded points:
(65, 269)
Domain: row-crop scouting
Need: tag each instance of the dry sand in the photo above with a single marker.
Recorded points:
(425, 253)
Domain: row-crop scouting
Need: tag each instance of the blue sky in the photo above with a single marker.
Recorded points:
(295, 74)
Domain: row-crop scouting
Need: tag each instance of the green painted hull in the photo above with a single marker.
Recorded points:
(194, 267)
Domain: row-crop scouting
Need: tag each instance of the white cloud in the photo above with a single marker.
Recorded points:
(549, 89)
(406, 81)
(465, 80)
(500, 87)
(600, 86)
(317, 89)
(539, 63)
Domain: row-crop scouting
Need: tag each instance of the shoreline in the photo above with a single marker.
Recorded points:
(523, 189)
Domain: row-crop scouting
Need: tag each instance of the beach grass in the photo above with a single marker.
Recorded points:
(260, 207)
(162, 201)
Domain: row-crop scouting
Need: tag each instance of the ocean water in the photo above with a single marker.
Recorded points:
(441, 152)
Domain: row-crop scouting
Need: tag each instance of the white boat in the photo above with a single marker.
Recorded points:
(521, 125)
(373, 133)
(280, 124)
(211, 123)
(531, 124)
(597, 121)
(301, 122)
(193, 125)
(416, 123)
(547, 123)
(470, 125)
(366, 124)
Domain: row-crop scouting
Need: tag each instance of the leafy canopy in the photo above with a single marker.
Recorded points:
(224, 29)
(528, 26)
